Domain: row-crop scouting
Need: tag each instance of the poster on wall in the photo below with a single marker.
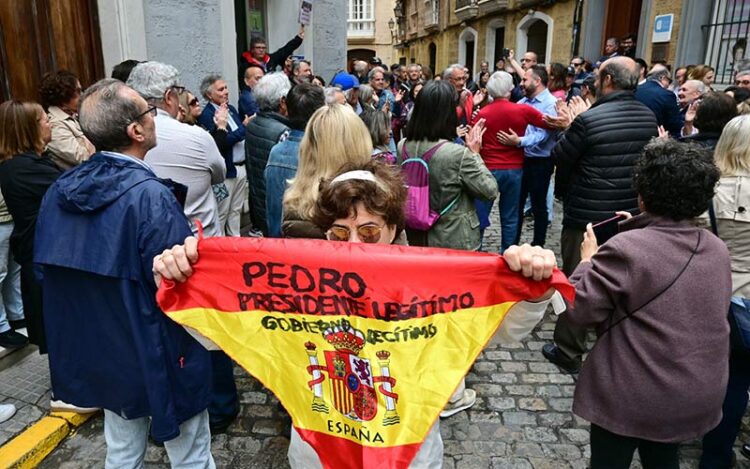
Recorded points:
(663, 28)
(305, 12)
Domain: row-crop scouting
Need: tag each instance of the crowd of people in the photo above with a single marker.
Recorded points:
(103, 189)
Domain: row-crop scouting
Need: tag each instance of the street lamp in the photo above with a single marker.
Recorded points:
(392, 27)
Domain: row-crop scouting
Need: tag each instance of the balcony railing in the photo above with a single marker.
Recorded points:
(466, 9)
(432, 18)
(491, 6)
(361, 28)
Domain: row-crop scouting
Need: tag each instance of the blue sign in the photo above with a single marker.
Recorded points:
(663, 28)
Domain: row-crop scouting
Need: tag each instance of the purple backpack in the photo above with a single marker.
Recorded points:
(416, 171)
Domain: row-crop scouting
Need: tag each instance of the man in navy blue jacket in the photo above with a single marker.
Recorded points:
(660, 100)
(99, 228)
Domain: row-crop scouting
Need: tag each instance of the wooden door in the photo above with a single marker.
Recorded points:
(623, 17)
(40, 36)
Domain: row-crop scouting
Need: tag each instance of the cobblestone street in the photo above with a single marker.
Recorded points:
(522, 418)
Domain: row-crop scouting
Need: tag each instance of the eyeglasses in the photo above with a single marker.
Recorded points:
(369, 234)
(179, 89)
(151, 110)
(576, 64)
(193, 102)
(742, 82)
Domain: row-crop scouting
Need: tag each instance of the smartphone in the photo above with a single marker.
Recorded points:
(607, 228)
(506, 52)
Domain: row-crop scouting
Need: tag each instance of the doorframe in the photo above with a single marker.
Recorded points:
(522, 38)
(492, 27)
(462, 40)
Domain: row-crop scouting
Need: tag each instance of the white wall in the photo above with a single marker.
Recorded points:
(196, 37)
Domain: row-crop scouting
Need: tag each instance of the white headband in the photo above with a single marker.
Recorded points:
(358, 175)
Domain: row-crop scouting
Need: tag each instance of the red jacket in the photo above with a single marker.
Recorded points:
(501, 114)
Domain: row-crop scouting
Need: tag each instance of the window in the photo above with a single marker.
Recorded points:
(727, 39)
(361, 18)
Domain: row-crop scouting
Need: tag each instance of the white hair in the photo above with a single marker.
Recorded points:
(331, 94)
(448, 73)
(270, 89)
(699, 86)
(500, 85)
(152, 79)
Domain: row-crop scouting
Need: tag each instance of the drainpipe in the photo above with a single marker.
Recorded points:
(577, 13)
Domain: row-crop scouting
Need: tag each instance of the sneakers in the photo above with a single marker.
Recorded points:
(6, 412)
(61, 406)
(466, 401)
(552, 353)
(12, 339)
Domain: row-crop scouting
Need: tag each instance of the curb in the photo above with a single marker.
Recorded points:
(31, 446)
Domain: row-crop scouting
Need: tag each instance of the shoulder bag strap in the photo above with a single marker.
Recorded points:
(635, 310)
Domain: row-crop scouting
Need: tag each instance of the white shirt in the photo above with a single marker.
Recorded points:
(188, 155)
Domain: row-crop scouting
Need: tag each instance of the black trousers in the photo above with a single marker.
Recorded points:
(534, 184)
(611, 451)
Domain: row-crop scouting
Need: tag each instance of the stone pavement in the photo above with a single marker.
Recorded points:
(521, 420)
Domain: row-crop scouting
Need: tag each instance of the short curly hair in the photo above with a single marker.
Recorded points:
(385, 198)
(57, 88)
(675, 179)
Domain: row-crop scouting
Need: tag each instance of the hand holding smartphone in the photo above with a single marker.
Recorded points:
(607, 228)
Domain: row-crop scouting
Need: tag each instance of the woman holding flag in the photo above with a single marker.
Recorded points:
(363, 203)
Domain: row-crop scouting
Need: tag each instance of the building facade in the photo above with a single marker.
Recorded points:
(438, 33)
(370, 30)
(89, 37)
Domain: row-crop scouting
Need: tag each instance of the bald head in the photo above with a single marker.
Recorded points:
(618, 74)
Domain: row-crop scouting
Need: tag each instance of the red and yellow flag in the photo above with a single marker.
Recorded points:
(363, 344)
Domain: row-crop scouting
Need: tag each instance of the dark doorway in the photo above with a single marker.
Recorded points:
(358, 54)
(623, 17)
(432, 53)
(499, 46)
(537, 40)
(38, 36)
(470, 57)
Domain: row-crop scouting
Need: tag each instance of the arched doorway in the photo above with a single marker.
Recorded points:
(358, 54)
(432, 53)
(467, 51)
(534, 33)
(495, 42)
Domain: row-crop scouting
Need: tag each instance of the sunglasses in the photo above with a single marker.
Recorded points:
(151, 110)
(193, 102)
(742, 82)
(575, 64)
(369, 234)
(179, 89)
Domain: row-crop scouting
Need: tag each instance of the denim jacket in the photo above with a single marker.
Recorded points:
(282, 166)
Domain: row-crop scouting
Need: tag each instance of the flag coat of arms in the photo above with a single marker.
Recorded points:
(363, 344)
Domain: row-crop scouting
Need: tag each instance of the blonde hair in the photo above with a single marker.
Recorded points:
(184, 100)
(20, 130)
(334, 136)
(743, 107)
(699, 72)
(732, 153)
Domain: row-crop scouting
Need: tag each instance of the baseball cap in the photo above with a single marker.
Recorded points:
(571, 70)
(345, 81)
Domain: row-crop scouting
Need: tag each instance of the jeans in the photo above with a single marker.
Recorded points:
(237, 188)
(611, 451)
(535, 185)
(509, 186)
(126, 443)
(717, 444)
(11, 306)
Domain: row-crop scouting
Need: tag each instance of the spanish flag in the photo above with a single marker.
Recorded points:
(362, 343)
